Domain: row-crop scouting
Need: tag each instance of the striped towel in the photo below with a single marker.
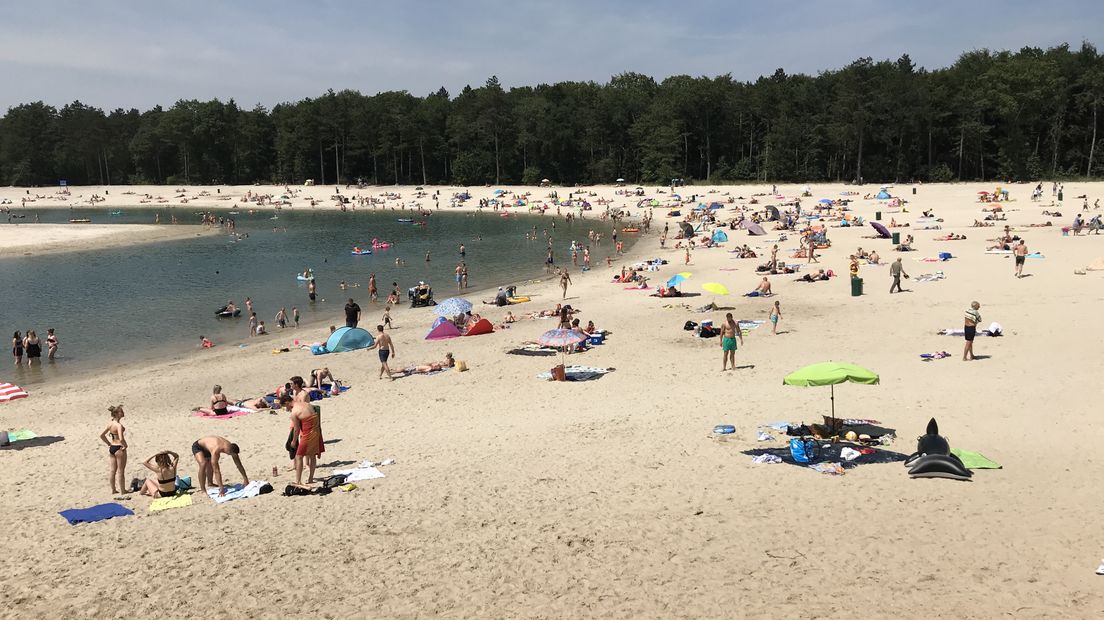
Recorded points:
(11, 392)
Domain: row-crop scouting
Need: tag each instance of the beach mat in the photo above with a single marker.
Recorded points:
(235, 412)
(975, 460)
(831, 454)
(359, 474)
(532, 352)
(578, 373)
(237, 491)
(168, 503)
(101, 512)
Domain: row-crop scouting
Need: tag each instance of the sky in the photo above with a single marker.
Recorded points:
(141, 53)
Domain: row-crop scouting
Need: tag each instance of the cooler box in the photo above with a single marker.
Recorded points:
(596, 338)
(856, 287)
(945, 256)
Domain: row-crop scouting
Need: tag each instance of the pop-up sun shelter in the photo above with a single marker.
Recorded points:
(347, 339)
(482, 326)
(443, 331)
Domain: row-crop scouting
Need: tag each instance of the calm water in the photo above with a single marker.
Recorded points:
(141, 303)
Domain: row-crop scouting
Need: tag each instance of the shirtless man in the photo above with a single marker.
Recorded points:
(311, 290)
(730, 331)
(386, 351)
(1020, 251)
(207, 451)
(764, 288)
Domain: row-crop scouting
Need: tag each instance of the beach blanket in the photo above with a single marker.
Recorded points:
(360, 473)
(101, 512)
(412, 371)
(168, 503)
(234, 412)
(832, 454)
(578, 373)
(533, 350)
(974, 460)
(237, 491)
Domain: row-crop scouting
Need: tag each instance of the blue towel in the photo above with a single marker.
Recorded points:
(95, 513)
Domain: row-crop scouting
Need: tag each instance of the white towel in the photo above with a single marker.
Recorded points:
(236, 491)
(360, 473)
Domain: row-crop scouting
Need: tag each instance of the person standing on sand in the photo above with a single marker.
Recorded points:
(311, 290)
(687, 261)
(896, 270)
(386, 350)
(730, 331)
(306, 442)
(252, 324)
(207, 451)
(1021, 255)
(775, 314)
(115, 438)
(973, 317)
(352, 313)
(565, 279)
(373, 292)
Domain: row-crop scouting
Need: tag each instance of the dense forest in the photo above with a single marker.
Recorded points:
(1022, 115)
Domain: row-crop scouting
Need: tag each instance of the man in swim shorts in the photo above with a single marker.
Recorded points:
(730, 331)
(207, 451)
(386, 350)
(1020, 251)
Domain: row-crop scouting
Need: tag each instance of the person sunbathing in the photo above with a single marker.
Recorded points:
(509, 318)
(764, 288)
(820, 275)
(163, 465)
(428, 367)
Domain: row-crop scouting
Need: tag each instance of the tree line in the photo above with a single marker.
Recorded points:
(992, 115)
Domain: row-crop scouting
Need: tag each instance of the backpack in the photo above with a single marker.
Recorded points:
(689, 326)
(804, 450)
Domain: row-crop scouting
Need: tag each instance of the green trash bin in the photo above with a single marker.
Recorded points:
(896, 238)
(878, 215)
(1060, 192)
(856, 287)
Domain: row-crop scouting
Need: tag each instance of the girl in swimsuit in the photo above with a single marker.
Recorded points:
(17, 348)
(164, 465)
(51, 344)
(115, 438)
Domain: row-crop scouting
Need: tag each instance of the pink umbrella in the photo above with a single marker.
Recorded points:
(561, 339)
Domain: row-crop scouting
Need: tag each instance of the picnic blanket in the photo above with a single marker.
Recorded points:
(364, 471)
(101, 512)
(974, 460)
(832, 455)
(578, 373)
(234, 412)
(168, 503)
(237, 491)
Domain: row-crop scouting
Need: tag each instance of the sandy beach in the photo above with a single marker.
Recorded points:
(516, 497)
(32, 239)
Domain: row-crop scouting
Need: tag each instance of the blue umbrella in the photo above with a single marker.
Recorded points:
(452, 306)
(676, 280)
(825, 201)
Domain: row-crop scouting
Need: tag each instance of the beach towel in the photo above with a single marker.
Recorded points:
(578, 373)
(168, 503)
(236, 491)
(360, 473)
(9, 392)
(637, 288)
(974, 460)
(930, 277)
(101, 512)
(24, 435)
(234, 412)
(533, 351)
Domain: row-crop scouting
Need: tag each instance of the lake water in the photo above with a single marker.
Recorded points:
(149, 301)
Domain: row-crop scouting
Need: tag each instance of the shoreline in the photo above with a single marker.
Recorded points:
(31, 239)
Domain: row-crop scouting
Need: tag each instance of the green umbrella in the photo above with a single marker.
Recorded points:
(831, 373)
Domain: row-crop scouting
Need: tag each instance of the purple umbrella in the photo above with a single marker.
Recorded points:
(883, 232)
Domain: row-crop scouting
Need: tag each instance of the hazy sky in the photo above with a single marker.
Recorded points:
(146, 52)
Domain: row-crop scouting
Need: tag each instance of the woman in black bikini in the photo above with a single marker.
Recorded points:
(115, 438)
(17, 348)
(164, 465)
(33, 347)
(219, 402)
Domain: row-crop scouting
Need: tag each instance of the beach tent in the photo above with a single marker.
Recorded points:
(443, 331)
(713, 206)
(883, 195)
(753, 228)
(719, 236)
(883, 232)
(348, 339)
(439, 320)
(482, 326)
(772, 213)
(687, 229)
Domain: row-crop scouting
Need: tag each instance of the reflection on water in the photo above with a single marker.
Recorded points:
(141, 302)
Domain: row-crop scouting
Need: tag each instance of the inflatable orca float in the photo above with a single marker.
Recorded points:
(224, 313)
(933, 458)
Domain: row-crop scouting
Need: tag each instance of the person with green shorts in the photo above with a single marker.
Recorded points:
(730, 331)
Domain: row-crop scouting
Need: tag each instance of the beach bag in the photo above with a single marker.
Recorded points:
(334, 481)
(461, 366)
(804, 450)
(293, 491)
(689, 326)
(559, 373)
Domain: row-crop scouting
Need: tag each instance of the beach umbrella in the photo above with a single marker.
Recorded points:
(561, 339)
(452, 306)
(825, 201)
(883, 232)
(831, 373)
(11, 392)
(687, 229)
(678, 279)
(715, 288)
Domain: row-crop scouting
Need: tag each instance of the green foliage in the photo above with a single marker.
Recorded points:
(997, 115)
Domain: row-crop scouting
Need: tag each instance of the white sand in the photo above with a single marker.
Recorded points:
(518, 498)
(30, 239)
